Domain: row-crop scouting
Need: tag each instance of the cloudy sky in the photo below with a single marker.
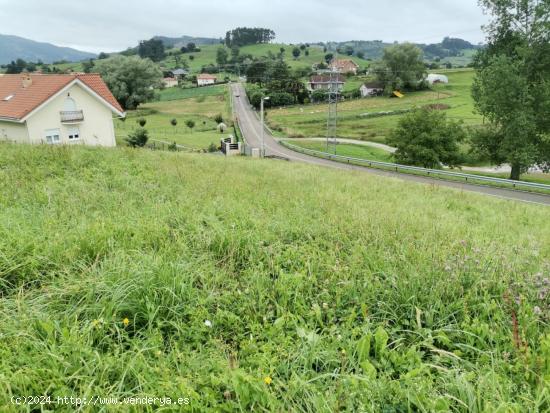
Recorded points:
(102, 25)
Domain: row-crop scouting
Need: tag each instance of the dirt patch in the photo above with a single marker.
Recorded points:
(437, 106)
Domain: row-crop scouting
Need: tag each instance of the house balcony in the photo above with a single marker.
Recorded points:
(73, 116)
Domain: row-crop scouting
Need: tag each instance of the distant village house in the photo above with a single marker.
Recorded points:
(205, 79)
(372, 89)
(169, 82)
(344, 66)
(57, 109)
(178, 73)
(322, 82)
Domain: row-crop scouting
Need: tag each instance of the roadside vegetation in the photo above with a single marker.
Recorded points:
(346, 298)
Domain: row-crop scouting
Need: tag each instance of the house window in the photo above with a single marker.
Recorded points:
(52, 136)
(74, 134)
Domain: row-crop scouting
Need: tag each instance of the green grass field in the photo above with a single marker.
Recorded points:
(207, 56)
(310, 120)
(127, 273)
(177, 93)
(198, 104)
(344, 149)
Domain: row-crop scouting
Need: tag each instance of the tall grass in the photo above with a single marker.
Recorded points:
(351, 292)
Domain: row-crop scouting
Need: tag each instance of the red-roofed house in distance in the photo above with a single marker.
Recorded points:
(344, 66)
(206, 79)
(57, 109)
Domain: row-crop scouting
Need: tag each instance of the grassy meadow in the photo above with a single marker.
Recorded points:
(207, 56)
(295, 288)
(198, 104)
(346, 149)
(310, 120)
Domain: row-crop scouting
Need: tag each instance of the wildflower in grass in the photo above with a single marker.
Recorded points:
(126, 322)
(95, 323)
(268, 380)
(208, 323)
(537, 310)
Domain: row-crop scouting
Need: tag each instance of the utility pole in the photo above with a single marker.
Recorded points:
(333, 96)
(264, 98)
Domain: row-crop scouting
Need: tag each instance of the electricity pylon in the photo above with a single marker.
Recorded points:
(333, 93)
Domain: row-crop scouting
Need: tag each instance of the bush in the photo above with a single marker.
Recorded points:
(426, 138)
(138, 138)
(218, 118)
(212, 148)
(318, 96)
(281, 99)
(142, 122)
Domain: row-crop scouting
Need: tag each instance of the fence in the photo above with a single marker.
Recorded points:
(420, 171)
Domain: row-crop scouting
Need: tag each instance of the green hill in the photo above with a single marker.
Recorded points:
(207, 56)
(248, 285)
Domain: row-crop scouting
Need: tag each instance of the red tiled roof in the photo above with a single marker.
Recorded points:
(25, 99)
(344, 64)
(206, 76)
(326, 79)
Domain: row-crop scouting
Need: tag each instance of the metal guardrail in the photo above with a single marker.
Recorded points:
(429, 172)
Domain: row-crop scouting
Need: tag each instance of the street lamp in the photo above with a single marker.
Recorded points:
(264, 98)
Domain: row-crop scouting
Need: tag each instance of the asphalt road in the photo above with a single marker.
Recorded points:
(251, 129)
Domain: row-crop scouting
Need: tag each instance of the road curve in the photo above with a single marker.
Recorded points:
(251, 129)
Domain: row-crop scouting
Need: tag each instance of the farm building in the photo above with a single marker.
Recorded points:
(170, 82)
(57, 109)
(372, 89)
(178, 73)
(322, 82)
(435, 78)
(205, 79)
(344, 66)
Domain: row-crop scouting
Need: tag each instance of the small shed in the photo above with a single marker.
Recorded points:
(372, 89)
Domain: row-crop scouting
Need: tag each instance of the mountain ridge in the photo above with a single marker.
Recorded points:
(16, 47)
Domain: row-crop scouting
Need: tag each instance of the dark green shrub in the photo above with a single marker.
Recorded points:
(138, 138)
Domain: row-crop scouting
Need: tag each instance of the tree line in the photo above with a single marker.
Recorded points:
(243, 36)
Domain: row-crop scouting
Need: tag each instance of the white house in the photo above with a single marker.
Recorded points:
(372, 89)
(169, 82)
(205, 79)
(322, 82)
(344, 66)
(57, 109)
(435, 78)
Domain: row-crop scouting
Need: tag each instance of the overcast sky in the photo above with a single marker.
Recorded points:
(102, 25)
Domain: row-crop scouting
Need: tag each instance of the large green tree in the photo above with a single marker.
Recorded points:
(221, 56)
(152, 49)
(512, 85)
(427, 138)
(131, 79)
(402, 67)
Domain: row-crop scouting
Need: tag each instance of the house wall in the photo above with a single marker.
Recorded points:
(365, 91)
(203, 82)
(170, 82)
(14, 132)
(95, 130)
